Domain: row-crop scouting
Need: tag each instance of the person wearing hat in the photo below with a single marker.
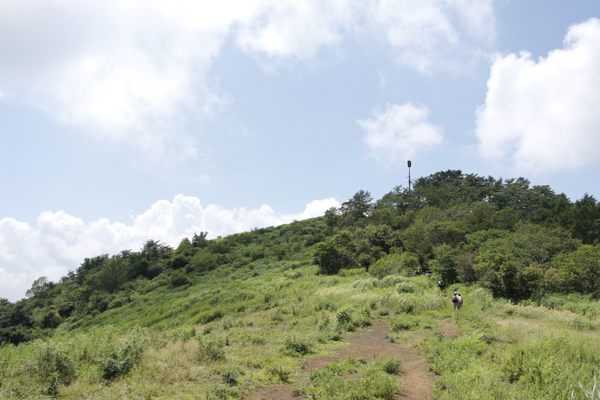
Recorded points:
(455, 301)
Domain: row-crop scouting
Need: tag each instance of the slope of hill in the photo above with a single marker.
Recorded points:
(223, 318)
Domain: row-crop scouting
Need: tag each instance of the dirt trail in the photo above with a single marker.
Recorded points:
(367, 343)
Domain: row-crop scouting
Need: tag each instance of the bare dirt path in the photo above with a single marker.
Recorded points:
(367, 343)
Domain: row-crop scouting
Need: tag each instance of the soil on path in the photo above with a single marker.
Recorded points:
(367, 343)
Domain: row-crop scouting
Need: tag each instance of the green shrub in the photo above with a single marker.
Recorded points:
(230, 378)
(209, 316)
(53, 366)
(211, 348)
(404, 323)
(120, 360)
(280, 372)
(221, 392)
(372, 382)
(394, 264)
(405, 287)
(297, 346)
(392, 364)
(179, 278)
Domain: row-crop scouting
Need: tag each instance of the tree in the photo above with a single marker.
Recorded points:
(199, 240)
(39, 286)
(111, 276)
(401, 264)
(444, 263)
(154, 250)
(332, 217)
(359, 206)
(582, 269)
(586, 220)
(334, 254)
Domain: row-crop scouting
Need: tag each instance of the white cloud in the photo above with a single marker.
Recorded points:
(400, 132)
(543, 116)
(131, 72)
(60, 241)
(434, 34)
(283, 29)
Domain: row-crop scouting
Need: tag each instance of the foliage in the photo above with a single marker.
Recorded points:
(581, 269)
(395, 264)
(259, 301)
(121, 359)
(374, 380)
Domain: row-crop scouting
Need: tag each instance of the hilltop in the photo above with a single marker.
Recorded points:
(229, 317)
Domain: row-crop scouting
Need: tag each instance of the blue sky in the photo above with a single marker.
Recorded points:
(124, 121)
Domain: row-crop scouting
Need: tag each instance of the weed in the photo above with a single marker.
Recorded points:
(211, 348)
(120, 360)
(53, 365)
(221, 392)
(230, 378)
(371, 382)
(404, 323)
(280, 372)
(391, 365)
(297, 346)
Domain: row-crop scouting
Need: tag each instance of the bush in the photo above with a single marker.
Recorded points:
(391, 365)
(211, 348)
(371, 383)
(296, 346)
(404, 323)
(179, 278)
(53, 365)
(405, 287)
(400, 264)
(120, 360)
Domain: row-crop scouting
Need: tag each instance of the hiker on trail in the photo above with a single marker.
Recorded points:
(441, 283)
(455, 301)
(460, 302)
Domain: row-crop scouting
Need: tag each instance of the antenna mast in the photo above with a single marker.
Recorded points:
(409, 164)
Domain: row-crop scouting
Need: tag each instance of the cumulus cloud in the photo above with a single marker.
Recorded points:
(430, 34)
(543, 116)
(131, 72)
(60, 241)
(399, 132)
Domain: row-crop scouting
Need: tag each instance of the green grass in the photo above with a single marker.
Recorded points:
(237, 330)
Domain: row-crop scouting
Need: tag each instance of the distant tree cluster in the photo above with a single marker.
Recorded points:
(105, 282)
(519, 241)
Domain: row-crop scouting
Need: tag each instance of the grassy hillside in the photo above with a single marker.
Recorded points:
(219, 319)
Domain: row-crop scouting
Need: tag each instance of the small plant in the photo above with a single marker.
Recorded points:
(276, 316)
(121, 360)
(331, 383)
(280, 372)
(297, 346)
(343, 315)
(405, 287)
(221, 392)
(404, 323)
(211, 348)
(593, 394)
(230, 378)
(391, 365)
(54, 366)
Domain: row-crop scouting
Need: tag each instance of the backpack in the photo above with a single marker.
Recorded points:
(455, 299)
